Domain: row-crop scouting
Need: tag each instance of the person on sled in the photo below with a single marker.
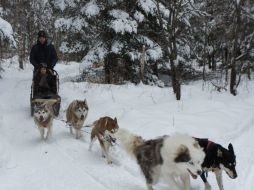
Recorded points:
(43, 52)
(43, 57)
(44, 82)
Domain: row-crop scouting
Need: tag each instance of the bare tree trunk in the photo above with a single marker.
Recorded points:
(172, 49)
(142, 64)
(226, 64)
(249, 71)
(233, 79)
(175, 81)
(237, 23)
(30, 34)
(213, 61)
(107, 70)
(21, 50)
(1, 49)
(205, 58)
(175, 75)
(1, 56)
(21, 65)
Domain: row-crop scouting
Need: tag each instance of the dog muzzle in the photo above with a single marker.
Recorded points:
(41, 119)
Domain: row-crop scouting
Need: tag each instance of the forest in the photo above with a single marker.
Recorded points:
(156, 42)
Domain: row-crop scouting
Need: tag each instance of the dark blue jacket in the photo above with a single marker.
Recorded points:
(43, 53)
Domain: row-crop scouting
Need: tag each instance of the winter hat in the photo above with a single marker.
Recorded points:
(42, 33)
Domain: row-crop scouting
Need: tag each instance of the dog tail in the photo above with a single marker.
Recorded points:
(128, 141)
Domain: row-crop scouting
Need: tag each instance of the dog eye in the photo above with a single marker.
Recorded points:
(191, 163)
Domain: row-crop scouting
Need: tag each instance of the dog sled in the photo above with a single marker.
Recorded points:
(49, 96)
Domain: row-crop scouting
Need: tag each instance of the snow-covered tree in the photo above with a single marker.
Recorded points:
(173, 30)
(6, 32)
(6, 36)
(136, 39)
(118, 33)
(72, 27)
(224, 39)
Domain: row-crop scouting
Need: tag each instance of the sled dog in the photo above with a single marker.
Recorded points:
(76, 115)
(43, 118)
(104, 130)
(168, 157)
(217, 159)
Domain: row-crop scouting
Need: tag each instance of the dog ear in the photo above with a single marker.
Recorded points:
(85, 102)
(75, 103)
(219, 153)
(115, 119)
(196, 145)
(182, 154)
(230, 148)
(46, 106)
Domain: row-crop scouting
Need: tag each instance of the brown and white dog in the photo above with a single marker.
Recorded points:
(168, 157)
(76, 115)
(43, 117)
(104, 130)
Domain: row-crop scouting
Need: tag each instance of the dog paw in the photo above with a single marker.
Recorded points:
(207, 186)
(110, 162)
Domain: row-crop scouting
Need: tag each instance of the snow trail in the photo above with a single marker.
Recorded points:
(27, 162)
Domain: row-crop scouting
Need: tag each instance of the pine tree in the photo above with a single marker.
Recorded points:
(73, 31)
(118, 33)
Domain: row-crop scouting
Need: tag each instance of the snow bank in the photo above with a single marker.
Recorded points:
(4, 154)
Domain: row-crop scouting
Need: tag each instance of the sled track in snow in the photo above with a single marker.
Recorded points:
(99, 172)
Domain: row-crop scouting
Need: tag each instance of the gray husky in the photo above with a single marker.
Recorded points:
(76, 115)
(43, 118)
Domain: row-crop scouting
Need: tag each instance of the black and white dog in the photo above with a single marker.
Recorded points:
(217, 159)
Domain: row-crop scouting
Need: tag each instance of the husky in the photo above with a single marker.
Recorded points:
(76, 115)
(217, 159)
(43, 118)
(103, 130)
(168, 157)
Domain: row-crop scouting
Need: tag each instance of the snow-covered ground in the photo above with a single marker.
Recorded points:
(64, 163)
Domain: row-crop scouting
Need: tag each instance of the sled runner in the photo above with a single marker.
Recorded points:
(41, 95)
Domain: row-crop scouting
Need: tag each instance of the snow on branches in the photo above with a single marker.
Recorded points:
(6, 31)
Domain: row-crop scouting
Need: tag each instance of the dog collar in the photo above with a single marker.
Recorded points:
(209, 143)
